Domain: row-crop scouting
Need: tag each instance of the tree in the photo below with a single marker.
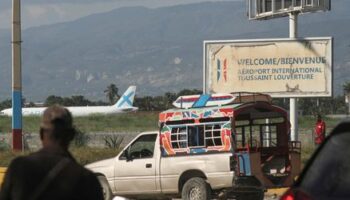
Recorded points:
(189, 92)
(169, 98)
(30, 104)
(346, 87)
(144, 103)
(111, 93)
(52, 100)
(80, 101)
(6, 104)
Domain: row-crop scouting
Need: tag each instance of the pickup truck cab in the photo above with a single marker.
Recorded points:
(140, 171)
(205, 152)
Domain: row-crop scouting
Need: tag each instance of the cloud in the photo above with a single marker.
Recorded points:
(5, 19)
(65, 1)
(50, 13)
(6, 4)
(42, 12)
(36, 11)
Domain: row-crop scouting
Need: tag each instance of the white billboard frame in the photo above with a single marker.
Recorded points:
(280, 8)
(280, 94)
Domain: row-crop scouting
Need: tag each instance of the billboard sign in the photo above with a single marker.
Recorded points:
(279, 67)
(265, 9)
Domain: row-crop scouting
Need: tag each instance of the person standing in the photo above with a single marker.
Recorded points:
(52, 172)
(320, 130)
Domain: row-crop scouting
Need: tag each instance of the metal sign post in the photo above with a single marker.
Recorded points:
(16, 77)
(266, 9)
(293, 103)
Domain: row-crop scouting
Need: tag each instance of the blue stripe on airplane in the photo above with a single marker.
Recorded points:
(126, 99)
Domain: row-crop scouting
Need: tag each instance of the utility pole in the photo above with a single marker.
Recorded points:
(293, 104)
(17, 137)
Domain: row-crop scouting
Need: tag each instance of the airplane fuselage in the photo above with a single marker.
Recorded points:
(76, 111)
(123, 105)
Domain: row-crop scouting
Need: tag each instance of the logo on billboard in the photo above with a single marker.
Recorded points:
(221, 70)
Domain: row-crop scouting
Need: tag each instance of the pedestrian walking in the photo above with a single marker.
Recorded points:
(320, 130)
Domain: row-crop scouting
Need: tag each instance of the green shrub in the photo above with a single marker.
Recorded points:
(83, 155)
(81, 139)
(86, 155)
(113, 141)
(306, 153)
(4, 146)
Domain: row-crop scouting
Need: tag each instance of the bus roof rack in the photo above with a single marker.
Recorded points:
(247, 97)
(208, 100)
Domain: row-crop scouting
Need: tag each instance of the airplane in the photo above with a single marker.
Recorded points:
(123, 105)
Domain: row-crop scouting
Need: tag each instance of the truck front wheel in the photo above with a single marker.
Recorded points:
(107, 194)
(196, 189)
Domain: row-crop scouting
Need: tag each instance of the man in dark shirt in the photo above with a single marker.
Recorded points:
(51, 173)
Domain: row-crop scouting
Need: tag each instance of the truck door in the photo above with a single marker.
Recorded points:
(135, 171)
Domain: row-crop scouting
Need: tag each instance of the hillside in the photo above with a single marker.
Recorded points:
(157, 49)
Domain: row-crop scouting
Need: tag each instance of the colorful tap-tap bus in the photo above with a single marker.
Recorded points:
(248, 125)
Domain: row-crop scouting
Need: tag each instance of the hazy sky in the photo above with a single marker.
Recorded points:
(40, 12)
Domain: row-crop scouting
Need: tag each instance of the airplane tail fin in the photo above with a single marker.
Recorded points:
(127, 99)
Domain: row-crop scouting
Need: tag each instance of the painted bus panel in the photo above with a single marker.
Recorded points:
(254, 130)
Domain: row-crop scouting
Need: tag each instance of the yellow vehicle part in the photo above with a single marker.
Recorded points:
(2, 174)
(276, 191)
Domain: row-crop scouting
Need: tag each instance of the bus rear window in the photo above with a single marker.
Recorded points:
(257, 133)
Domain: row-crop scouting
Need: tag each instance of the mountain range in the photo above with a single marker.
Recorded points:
(159, 50)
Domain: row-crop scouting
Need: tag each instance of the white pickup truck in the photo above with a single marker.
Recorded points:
(139, 171)
(205, 152)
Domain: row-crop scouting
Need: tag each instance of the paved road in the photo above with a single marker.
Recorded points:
(272, 194)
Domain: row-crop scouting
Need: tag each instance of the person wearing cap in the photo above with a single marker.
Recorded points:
(51, 173)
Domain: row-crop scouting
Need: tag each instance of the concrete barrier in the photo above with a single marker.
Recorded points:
(2, 174)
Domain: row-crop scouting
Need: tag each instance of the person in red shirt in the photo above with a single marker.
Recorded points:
(320, 130)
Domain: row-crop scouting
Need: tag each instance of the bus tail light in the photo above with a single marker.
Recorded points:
(295, 194)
